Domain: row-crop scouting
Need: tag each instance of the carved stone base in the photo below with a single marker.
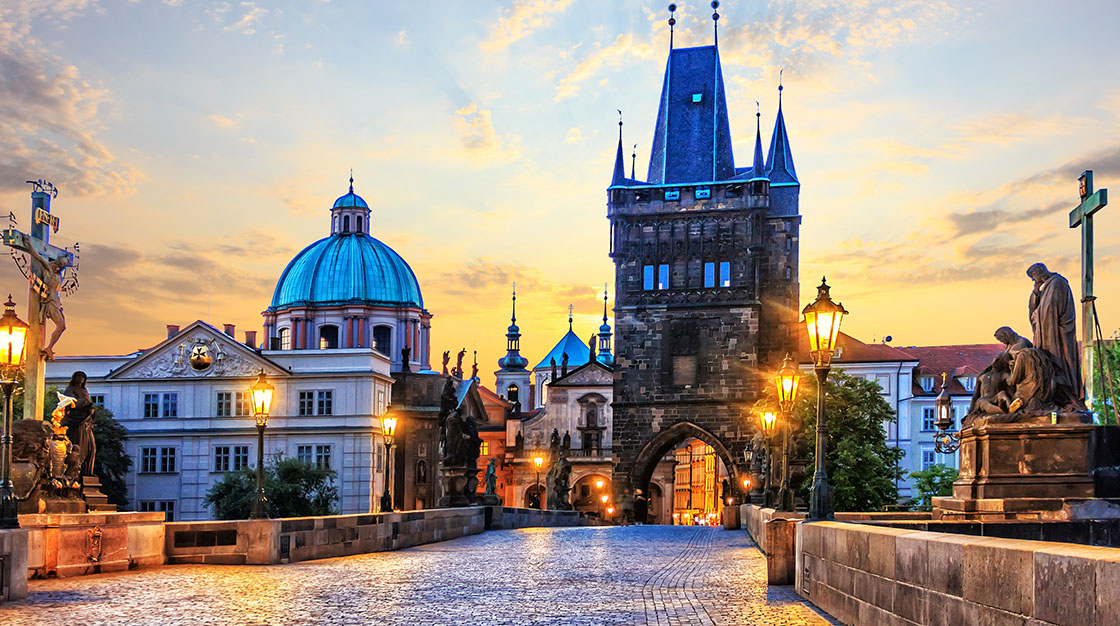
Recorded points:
(490, 499)
(458, 486)
(1032, 471)
(50, 506)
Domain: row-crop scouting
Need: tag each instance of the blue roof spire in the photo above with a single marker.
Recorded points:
(619, 176)
(513, 361)
(779, 162)
(604, 355)
(759, 170)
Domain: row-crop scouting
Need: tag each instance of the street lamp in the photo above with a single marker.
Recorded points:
(388, 431)
(261, 392)
(769, 421)
(12, 334)
(787, 381)
(538, 461)
(822, 322)
(945, 441)
(604, 499)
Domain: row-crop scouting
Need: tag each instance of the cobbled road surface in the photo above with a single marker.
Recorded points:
(655, 575)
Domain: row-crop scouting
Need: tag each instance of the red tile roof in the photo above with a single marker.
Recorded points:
(852, 350)
(959, 361)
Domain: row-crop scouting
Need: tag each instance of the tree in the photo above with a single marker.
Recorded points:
(294, 488)
(862, 468)
(1108, 386)
(930, 483)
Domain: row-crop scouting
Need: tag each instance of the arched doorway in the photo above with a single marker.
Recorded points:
(588, 491)
(532, 498)
(661, 444)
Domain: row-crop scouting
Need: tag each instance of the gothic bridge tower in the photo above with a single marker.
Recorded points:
(706, 278)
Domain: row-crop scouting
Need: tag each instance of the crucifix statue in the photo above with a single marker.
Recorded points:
(1082, 215)
(46, 275)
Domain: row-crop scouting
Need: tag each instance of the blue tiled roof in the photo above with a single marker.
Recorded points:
(347, 268)
(692, 140)
(779, 162)
(577, 350)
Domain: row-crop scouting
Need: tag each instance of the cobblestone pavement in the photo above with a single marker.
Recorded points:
(651, 575)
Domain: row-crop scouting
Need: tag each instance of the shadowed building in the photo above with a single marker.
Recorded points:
(706, 278)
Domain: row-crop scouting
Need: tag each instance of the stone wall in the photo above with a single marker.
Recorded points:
(504, 517)
(91, 543)
(13, 564)
(869, 575)
(754, 519)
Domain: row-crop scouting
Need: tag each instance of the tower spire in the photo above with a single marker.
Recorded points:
(513, 361)
(759, 158)
(619, 175)
(604, 355)
(513, 316)
(633, 161)
(779, 161)
(672, 23)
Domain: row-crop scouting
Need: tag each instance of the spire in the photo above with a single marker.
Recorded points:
(759, 160)
(351, 180)
(779, 162)
(619, 176)
(604, 355)
(513, 315)
(633, 161)
(513, 361)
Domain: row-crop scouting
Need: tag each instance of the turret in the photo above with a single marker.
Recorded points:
(512, 379)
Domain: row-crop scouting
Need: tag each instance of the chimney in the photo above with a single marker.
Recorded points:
(172, 330)
(230, 329)
(251, 338)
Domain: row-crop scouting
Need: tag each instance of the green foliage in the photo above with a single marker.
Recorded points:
(862, 468)
(293, 488)
(930, 483)
(1110, 351)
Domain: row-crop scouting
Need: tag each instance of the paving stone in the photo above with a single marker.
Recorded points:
(648, 575)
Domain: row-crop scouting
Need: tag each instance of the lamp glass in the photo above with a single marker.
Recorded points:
(262, 396)
(388, 426)
(787, 380)
(769, 419)
(13, 333)
(822, 322)
(538, 461)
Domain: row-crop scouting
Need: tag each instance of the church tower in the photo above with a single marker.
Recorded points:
(706, 276)
(512, 379)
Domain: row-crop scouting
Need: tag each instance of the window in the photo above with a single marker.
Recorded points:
(221, 459)
(326, 399)
(789, 274)
(151, 405)
(97, 399)
(673, 194)
(484, 448)
(240, 457)
(511, 393)
(170, 405)
(167, 460)
(927, 383)
(224, 407)
(377, 459)
(380, 401)
(709, 275)
(359, 218)
(647, 278)
(307, 403)
(884, 381)
(929, 418)
(382, 339)
(285, 339)
(969, 383)
(346, 223)
(663, 276)
(591, 441)
(163, 506)
(323, 456)
(703, 193)
(234, 403)
(303, 454)
(147, 460)
(725, 274)
(928, 459)
(328, 337)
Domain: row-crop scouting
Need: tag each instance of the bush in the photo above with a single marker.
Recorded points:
(293, 488)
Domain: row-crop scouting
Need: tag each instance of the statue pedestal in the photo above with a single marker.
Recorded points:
(1034, 471)
(490, 499)
(457, 486)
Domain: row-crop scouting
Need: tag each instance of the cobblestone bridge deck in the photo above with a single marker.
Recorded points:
(657, 575)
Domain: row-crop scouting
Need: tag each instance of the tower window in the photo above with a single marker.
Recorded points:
(511, 393)
(709, 275)
(663, 276)
(360, 229)
(647, 277)
(703, 192)
(697, 97)
(725, 274)
(673, 194)
(328, 336)
(346, 223)
(285, 338)
(382, 336)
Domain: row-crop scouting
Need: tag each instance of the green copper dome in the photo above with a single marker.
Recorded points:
(347, 268)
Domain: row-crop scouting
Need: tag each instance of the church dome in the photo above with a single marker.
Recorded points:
(347, 268)
(350, 200)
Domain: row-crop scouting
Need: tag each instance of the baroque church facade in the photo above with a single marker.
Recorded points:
(706, 277)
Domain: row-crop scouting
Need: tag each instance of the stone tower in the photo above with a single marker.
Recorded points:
(706, 278)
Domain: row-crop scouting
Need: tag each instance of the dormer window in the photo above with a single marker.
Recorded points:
(968, 382)
(927, 383)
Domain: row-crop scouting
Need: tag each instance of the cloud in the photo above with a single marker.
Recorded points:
(220, 121)
(481, 141)
(402, 39)
(575, 135)
(250, 19)
(972, 222)
(49, 115)
(520, 20)
(625, 47)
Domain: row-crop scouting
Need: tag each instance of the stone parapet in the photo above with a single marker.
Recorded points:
(63, 545)
(754, 519)
(870, 575)
(504, 517)
(13, 564)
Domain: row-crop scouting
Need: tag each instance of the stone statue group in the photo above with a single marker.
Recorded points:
(50, 457)
(1035, 381)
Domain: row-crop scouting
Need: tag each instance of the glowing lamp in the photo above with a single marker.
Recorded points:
(769, 420)
(261, 393)
(822, 322)
(610, 510)
(787, 380)
(13, 332)
(538, 461)
(599, 484)
(604, 498)
(388, 427)
(944, 405)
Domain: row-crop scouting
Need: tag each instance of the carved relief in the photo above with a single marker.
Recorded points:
(199, 355)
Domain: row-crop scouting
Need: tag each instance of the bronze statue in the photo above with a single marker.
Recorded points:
(50, 297)
(491, 478)
(591, 346)
(406, 356)
(459, 363)
(1053, 315)
(447, 401)
(78, 421)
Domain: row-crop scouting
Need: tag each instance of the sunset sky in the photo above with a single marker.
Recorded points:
(198, 147)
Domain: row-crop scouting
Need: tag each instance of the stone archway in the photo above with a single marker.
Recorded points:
(641, 471)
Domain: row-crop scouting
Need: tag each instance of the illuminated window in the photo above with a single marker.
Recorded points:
(511, 393)
(725, 274)
(663, 276)
(484, 449)
(709, 275)
(285, 338)
(647, 277)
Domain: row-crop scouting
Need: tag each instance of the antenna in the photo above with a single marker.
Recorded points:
(672, 23)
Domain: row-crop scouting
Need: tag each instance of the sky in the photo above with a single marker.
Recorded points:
(198, 146)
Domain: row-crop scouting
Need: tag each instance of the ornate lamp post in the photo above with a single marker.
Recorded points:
(945, 441)
(604, 499)
(822, 321)
(262, 400)
(538, 461)
(388, 431)
(12, 334)
(769, 420)
(787, 380)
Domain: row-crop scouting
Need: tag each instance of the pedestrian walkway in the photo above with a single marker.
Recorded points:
(649, 575)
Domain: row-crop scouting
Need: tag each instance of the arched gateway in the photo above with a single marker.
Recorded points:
(706, 277)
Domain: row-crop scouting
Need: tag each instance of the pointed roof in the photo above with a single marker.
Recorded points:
(619, 176)
(779, 162)
(759, 169)
(692, 139)
(577, 351)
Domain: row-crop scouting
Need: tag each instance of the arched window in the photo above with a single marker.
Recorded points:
(328, 336)
(285, 338)
(592, 417)
(360, 230)
(511, 393)
(421, 472)
(382, 337)
(346, 223)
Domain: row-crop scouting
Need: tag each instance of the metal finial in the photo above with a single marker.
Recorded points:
(715, 20)
(780, 88)
(757, 109)
(672, 23)
(633, 161)
(604, 303)
(351, 180)
(513, 316)
(570, 309)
